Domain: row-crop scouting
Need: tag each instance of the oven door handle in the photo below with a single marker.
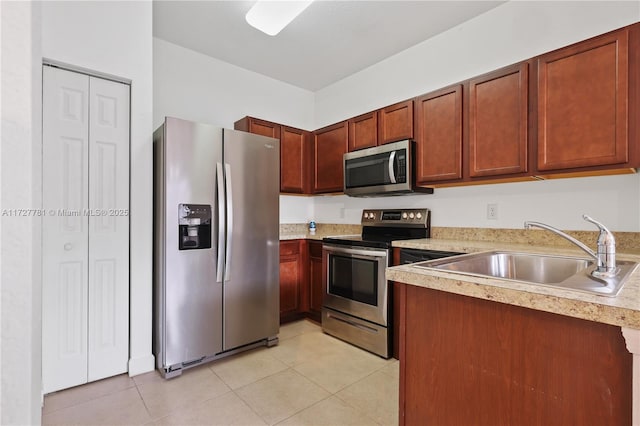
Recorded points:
(354, 251)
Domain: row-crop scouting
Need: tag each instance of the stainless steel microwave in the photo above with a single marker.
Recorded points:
(381, 170)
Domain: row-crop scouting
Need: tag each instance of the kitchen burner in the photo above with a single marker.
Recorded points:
(357, 304)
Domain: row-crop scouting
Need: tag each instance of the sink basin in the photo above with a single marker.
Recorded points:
(556, 271)
(536, 268)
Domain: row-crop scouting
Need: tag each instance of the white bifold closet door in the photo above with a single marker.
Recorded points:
(85, 228)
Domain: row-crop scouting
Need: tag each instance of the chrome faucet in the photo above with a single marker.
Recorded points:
(605, 256)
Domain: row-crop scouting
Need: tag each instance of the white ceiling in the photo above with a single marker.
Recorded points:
(327, 42)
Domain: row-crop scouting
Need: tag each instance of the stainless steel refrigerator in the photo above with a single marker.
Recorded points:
(216, 243)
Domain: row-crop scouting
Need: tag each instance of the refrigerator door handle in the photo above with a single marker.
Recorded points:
(221, 221)
(227, 266)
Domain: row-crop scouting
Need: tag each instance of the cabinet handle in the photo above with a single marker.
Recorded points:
(68, 246)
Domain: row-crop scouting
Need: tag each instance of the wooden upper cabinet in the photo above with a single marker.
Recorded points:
(329, 145)
(438, 135)
(258, 127)
(363, 131)
(582, 104)
(498, 122)
(295, 153)
(395, 122)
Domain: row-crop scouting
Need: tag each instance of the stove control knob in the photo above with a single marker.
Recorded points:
(418, 215)
(411, 215)
(404, 215)
(368, 215)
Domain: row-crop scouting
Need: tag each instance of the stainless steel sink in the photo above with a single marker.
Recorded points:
(556, 271)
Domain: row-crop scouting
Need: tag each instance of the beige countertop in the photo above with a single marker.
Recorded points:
(300, 231)
(622, 310)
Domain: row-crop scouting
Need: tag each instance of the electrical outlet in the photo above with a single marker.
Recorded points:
(492, 211)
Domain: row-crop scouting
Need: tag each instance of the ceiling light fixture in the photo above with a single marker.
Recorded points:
(271, 17)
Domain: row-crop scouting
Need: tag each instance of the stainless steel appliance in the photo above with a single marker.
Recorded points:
(216, 243)
(382, 170)
(357, 304)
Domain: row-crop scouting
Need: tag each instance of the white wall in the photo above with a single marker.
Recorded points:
(116, 38)
(514, 31)
(192, 86)
(561, 203)
(20, 307)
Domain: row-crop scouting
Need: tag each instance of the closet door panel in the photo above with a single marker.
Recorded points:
(65, 229)
(108, 228)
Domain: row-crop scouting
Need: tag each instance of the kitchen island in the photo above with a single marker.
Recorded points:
(477, 350)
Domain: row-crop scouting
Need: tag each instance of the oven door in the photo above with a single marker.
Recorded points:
(355, 281)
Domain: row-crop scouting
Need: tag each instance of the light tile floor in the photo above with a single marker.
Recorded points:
(310, 378)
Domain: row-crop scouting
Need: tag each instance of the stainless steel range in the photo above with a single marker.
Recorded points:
(357, 304)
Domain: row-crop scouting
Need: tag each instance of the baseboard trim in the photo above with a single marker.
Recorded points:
(141, 365)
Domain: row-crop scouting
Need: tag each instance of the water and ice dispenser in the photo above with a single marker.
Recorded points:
(194, 223)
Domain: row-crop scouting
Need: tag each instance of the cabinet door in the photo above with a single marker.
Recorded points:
(294, 160)
(315, 275)
(290, 270)
(363, 131)
(396, 122)
(439, 135)
(498, 122)
(582, 104)
(262, 127)
(330, 144)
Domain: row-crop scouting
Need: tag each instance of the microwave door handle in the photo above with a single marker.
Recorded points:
(392, 160)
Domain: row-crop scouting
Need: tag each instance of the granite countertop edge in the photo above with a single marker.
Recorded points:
(307, 236)
(622, 310)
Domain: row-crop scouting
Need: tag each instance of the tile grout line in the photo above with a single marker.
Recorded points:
(290, 367)
(144, 402)
(305, 408)
(75, 404)
(356, 382)
(248, 405)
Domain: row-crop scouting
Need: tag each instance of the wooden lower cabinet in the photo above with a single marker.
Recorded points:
(301, 281)
(397, 301)
(470, 361)
(291, 274)
(315, 279)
